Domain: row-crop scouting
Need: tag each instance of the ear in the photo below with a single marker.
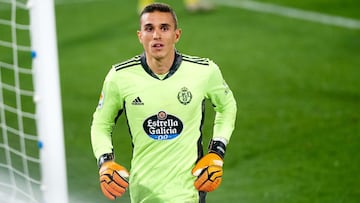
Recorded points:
(177, 34)
(139, 36)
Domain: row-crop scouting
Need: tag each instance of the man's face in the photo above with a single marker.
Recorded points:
(158, 34)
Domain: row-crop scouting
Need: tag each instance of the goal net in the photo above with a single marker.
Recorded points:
(32, 161)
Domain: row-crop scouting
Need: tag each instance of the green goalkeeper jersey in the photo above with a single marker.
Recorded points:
(165, 116)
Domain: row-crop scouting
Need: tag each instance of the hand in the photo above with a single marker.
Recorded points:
(209, 172)
(113, 179)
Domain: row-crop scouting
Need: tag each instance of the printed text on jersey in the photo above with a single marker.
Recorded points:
(163, 126)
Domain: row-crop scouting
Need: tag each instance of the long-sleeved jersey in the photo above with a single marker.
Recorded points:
(165, 116)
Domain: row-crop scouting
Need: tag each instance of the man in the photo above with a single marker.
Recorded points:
(162, 92)
(190, 5)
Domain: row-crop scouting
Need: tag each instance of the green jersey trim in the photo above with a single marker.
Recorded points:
(131, 62)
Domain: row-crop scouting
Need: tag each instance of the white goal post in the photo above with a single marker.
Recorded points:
(48, 100)
(32, 149)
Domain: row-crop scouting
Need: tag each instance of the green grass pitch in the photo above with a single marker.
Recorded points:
(297, 85)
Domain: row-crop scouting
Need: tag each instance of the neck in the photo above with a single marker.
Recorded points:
(160, 65)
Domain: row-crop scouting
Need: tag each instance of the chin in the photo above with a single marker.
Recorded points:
(158, 56)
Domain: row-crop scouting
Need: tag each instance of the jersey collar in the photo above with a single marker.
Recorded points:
(172, 70)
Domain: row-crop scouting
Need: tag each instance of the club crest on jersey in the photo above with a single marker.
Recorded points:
(184, 96)
(163, 126)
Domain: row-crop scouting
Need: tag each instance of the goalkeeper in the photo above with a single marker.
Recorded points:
(162, 94)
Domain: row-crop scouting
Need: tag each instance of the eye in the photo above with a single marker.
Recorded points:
(164, 28)
(148, 28)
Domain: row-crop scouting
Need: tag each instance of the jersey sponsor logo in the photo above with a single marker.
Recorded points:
(163, 126)
(184, 96)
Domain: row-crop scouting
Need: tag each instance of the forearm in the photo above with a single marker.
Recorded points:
(224, 123)
(101, 140)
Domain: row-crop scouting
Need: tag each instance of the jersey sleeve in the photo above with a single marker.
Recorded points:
(224, 103)
(109, 108)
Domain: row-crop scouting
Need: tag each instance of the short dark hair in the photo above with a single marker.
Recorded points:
(161, 7)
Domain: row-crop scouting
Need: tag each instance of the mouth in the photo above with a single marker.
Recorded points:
(157, 45)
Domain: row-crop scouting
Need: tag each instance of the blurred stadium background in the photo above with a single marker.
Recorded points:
(296, 81)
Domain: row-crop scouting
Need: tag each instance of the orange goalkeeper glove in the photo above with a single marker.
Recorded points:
(209, 168)
(113, 177)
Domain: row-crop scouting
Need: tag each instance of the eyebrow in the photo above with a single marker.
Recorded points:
(162, 24)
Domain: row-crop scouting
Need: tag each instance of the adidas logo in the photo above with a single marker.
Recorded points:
(137, 101)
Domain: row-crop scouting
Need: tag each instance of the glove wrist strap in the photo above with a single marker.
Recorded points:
(104, 158)
(218, 147)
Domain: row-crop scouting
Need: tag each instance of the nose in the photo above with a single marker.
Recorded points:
(156, 34)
